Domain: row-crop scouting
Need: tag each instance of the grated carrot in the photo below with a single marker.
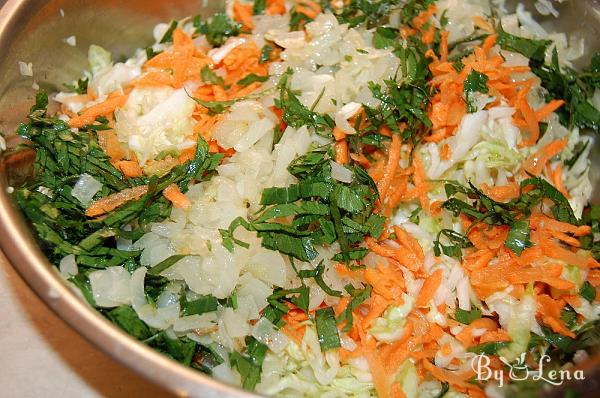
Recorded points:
(531, 121)
(483, 24)
(458, 381)
(432, 283)
(545, 111)
(444, 45)
(550, 309)
(341, 152)
(111, 202)
(89, 115)
(391, 166)
(130, 168)
(421, 184)
(535, 163)
(275, 7)
(424, 17)
(243, 13)
(174, 195)
(108, 141)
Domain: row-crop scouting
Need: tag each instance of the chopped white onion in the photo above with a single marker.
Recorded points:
(110, 287)
(219, 54)
(203, 323)
(159, 31)
(462, 293)
(500, 112)
(225, 373)
(264, 331)
(350, 109)
(26, 69)
(285, 39)
(235, 324)
(85, 188)
(68, 266)
(545, 7)
(71, 40)
(340, 173)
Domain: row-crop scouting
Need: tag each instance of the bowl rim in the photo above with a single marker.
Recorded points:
(25, 256)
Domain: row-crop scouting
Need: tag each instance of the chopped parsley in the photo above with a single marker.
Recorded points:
(322, 211)
(209, 76)
(252, 78)
(217, 29)
(474, 83)
(575, 88)
(483, 209)
(168, 36)
(327, 331)
(80, 86)
(295, 113)
(265, 53)
(466, 317)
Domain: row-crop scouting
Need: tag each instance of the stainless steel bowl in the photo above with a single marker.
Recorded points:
(33, 31)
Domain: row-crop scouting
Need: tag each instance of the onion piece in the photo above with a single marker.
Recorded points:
(68, 266)
(85, 188)
(264, 331)
(26, 69)
(340, 173)
(219, 54)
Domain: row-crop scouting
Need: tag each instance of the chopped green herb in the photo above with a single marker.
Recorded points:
(80, 87)
(475, 82)
(569, 317)
(296, 114)
(201, 305)
(164, 265)
(533, 49)
(491, 348)
(249, 366)
(209, 76)
(359, 296)
(217, 29)
(259, 7)
(467, 317)
(252, 78)
(457, 242)
(168, 36)
(150, 53)
(518, 237)
(588, 291)
(265, 53)
(317, 275)
(385, 37)
(327, 331)
(127, 319)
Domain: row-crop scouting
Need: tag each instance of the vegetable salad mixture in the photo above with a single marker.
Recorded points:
(347, 198)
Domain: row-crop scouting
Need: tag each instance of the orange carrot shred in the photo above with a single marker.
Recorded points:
(243, 13)
(174, 195)
(111, 202)
(130, 168)
(432, 283)
(89, 115)
(391, 166)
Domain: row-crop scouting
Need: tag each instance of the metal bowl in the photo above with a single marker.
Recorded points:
(34, 31)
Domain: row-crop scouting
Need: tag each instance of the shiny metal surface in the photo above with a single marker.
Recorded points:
(33, 31)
